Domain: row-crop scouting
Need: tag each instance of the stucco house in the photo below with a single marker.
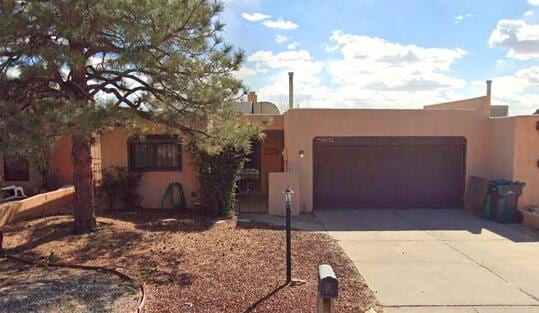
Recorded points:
(346, 158)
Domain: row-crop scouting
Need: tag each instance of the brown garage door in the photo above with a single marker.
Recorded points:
(388, 172)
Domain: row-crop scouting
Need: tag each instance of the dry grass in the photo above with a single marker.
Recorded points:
(204, 267)
(40, 289)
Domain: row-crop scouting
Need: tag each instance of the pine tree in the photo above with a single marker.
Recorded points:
(88, 61)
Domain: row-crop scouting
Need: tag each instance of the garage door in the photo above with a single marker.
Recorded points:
(388, 172)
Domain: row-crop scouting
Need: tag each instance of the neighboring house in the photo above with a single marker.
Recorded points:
(253, 106)
(354, 158)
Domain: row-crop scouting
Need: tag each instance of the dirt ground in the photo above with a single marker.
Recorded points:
(205, 266)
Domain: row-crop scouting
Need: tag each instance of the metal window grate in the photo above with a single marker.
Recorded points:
(155, 154)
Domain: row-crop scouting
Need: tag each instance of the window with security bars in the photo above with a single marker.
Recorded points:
(155, 153)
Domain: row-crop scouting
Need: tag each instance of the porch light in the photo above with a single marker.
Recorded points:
(288, 193)
(301, 153)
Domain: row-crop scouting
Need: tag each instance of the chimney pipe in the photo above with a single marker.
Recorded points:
(489, 88)
(290, 90)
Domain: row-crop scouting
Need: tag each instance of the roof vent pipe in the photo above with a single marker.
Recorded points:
(290, 90)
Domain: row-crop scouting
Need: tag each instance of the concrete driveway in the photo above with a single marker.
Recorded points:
(440, 260)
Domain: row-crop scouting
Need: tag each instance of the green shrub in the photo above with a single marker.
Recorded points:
(218, 175)
(219, 159)
(120, 188)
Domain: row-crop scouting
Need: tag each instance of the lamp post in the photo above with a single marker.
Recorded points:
(288, 193)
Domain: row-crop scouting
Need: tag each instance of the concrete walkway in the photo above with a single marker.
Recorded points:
(440, 260)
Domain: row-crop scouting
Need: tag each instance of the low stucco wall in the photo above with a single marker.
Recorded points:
(303, 125)
(45, 204)
(114, 152)
(526, 158)
(278, 182)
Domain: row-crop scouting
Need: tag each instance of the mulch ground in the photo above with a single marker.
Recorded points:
(202, 267)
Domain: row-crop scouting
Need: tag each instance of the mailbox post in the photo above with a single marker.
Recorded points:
(328, 289)
(288, 199)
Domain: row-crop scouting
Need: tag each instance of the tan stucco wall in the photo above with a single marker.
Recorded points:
(61, 164)
(114, 152)
(501, 154)
(470, 104)
(514, 153)
(278, 183)
(303, 125)
(526, 156)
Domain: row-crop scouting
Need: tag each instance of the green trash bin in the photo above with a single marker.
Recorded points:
(507, 206)
(501, 202)
(492, 198)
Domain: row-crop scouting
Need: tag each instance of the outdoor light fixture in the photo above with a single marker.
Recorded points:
(301, 153)
(288, 193)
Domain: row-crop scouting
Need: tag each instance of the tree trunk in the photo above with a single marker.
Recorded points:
(83, 181)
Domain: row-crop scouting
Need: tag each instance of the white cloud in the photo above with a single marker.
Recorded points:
(296, 60)
(533, 2)
(308, 72)
(280, 24)
(362, 72)
(461, 17)
(280, 39)
(521, 37)
(377, 64)
(373, 72)
(245, 72)
(255, 17)
(293, 45)
(528, 13)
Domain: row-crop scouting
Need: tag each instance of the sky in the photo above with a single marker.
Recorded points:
(388, 53)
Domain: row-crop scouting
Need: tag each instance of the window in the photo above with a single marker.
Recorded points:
(16, 169)
(155, 153)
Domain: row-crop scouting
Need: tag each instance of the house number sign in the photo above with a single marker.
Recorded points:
(326, 139)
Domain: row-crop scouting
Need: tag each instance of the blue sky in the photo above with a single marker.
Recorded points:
(388, 53)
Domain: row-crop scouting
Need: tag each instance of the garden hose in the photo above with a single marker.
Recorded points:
(178, 202)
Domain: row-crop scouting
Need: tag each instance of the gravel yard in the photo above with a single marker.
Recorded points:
(205, 266)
